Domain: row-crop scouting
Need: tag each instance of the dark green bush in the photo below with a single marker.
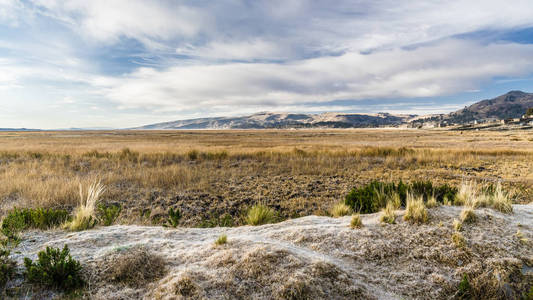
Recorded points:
(217, 221)
(372, 197)
(54, 268)
(18, 220)
(174, 217)
(7, 267)
(464, 291)
(108, 214)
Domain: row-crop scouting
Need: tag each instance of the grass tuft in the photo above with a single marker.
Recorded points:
(466, 194)
(432, 202)
(260, 214)
(415, 211)
(221, 240)
(457, 225)
(84, 215)
(387, 214)
(468, 215)
(356, 222)
(340, 210)
(501, 200)
(458, 239)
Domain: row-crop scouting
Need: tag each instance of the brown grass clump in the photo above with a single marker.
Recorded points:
(388, 214)
(340, 210)
(356, 222)
(468, 215)
(136, 267)
(186, 287)
(415, 210)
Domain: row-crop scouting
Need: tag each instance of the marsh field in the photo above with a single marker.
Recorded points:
(210, 175)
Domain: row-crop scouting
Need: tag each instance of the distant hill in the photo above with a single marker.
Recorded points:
(19, 129)
(267, 120)
(514, 104)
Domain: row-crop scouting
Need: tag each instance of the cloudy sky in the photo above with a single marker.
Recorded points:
(121, 63)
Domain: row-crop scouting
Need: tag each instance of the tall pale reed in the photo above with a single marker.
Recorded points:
(84, 215)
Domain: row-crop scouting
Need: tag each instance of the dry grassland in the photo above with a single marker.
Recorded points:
(210, 174)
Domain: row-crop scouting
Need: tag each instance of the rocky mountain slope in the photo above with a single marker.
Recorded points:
(309, 258)
(285, 120)
(511, 105)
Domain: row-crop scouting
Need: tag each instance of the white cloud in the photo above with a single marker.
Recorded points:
(445, 68)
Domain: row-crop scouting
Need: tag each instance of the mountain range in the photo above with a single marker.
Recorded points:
(513, 104)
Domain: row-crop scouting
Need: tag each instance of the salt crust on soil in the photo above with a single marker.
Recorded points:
(313, 257)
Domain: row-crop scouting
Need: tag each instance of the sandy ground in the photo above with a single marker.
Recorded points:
(310, 258)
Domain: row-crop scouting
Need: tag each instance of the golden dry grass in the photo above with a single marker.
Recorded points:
(298, 171)
(340, 210)
(415, 210)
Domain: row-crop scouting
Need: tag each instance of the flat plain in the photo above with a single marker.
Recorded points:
(211, 174)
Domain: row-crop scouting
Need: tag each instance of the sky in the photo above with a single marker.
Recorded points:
(125, 63)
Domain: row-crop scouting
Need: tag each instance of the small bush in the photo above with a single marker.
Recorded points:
(108, 214)
(226, 220)
(84, 215)
(174, 217)
(464, 291)
(468, 215)
(375, 195)
(223, 239)
(388, 215)
(18, 220)
(54, 268)
(260, 214)
(458, 240)
(415, 211)
(529, 294)
(7, 267)
(340, 210)
(356, 222)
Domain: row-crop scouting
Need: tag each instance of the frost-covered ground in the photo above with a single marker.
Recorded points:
(312, 258)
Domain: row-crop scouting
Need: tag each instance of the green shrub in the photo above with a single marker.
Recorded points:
(174, 217)
(260, 214)
(372, 197)
(108, 214)
(529, 295)
(464, 291)
(226, 220)
(54, 268)
(18, 220)
(223, 239)
(7, 267)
